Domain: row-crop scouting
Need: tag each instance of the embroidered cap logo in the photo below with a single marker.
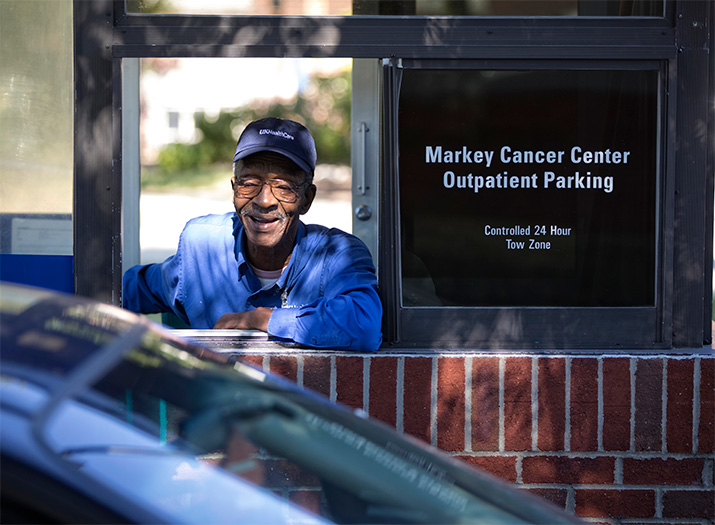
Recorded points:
(273, 132)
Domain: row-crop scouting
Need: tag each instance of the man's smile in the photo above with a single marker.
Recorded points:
(263, 222)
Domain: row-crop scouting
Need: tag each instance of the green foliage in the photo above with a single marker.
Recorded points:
(323, 107)
(183, 156)
(158, 179)
(147, 6)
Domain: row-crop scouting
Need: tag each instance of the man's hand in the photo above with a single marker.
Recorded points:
(249, 320)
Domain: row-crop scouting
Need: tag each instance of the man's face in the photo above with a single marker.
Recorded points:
(270, 217)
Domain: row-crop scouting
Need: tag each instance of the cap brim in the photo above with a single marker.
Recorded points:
(250, 151)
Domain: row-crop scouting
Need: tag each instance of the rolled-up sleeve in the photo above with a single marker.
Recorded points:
(142, 289)
(153, 288)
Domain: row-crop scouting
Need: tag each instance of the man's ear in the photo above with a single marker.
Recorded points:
(308, 198)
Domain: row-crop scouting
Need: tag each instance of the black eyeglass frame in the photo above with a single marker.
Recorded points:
(294, 188)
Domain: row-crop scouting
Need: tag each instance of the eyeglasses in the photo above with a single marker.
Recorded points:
(282, 190)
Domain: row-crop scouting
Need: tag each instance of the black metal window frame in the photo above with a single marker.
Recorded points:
(105, 35)
(535, 328)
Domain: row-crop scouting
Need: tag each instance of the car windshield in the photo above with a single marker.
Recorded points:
(326, 458)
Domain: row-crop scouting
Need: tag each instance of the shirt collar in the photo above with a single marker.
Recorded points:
(238, 235)
(295, 257)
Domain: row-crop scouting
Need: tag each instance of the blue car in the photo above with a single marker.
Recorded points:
(106, 417)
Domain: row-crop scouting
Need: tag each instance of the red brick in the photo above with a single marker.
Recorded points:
(450, 403)
(616, 404)
(517, 403)
(679, 408)
(285, 366)
(584, 405)
(417, 399)
(552, 403)
(485, 403)
(689, 504)
(607, 503)
(253, 359)
(561, 469)
(316, 374)
(649, 411)
(657, 471)
(501, 466)
(706, 429)
(306, 499)
(556, 496)
(383, 389)
(349, 381)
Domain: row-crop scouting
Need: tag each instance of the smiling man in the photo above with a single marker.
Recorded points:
(261, 268)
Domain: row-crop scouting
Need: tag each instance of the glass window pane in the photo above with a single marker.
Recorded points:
(649, 8)
(242, 7)
(528, 188)
(36, 135)
(193, 111)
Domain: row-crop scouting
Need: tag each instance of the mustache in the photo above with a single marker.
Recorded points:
(253, 210)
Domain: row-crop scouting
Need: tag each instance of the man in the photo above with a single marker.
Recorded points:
(261, 268)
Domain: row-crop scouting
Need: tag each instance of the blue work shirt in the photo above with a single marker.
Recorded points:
(325, 298)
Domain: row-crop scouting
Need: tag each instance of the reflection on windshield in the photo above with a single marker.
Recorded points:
(110, 374)
(275, 440)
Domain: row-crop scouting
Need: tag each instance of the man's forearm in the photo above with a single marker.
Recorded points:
(349, 322)
(248, 320)
(140, 290)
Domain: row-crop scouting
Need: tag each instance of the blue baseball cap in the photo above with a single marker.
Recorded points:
(278, 135)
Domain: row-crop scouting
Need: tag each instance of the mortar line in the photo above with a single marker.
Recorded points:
(333, 379)
(502, 440)
(618, 470)
(433, 403)
(366, 384)
(664, 408)
(697, 371)
(299, 371)
(567, 407)
(400, 395)
(658, 503)
(707, 475)
(599, 403)
(534, 403)
(468, 404)
(632, 369)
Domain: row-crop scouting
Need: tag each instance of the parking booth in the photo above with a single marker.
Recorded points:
(535, 183)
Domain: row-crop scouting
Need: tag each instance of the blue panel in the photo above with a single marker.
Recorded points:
(47, 271)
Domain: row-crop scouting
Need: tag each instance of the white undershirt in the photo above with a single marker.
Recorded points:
(267, 277)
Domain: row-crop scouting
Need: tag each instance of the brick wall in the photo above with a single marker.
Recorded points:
(616, 439)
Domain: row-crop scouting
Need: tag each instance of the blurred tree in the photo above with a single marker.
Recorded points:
(323, 107)
(147, 6)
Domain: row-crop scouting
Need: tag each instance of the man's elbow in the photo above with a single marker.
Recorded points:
(136, 294)
(369, 342)
(368, 336)
(130, 297)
